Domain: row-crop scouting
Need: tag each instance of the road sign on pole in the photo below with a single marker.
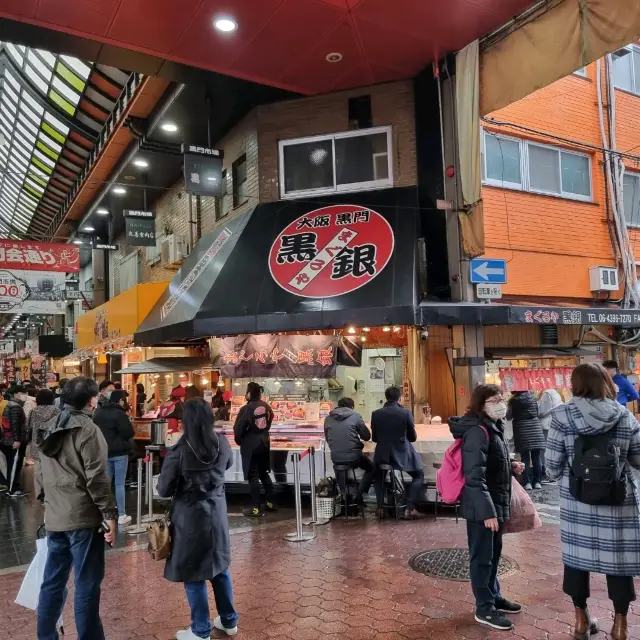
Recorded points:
(489, 291)
(488, 271)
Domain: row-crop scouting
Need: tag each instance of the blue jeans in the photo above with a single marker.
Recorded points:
(82, 549)
(118, 466)
(199, 603)
(532, 466)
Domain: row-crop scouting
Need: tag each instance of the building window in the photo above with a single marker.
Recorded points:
(351, 161)
(626, 69)
(631, 191)
(239, 177)
(582, 71)
(517, 164)
(224, 199)
(129, 272)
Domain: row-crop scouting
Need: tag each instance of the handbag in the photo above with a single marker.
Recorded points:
(524, 516)
(159, 530)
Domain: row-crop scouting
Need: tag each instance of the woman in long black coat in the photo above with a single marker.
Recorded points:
(193, 474)
(528, 435)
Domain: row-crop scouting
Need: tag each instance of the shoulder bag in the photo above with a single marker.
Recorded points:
(159, 530)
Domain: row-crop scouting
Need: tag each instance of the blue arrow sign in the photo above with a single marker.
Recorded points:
(492, 270)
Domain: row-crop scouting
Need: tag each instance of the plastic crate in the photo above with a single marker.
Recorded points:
(326, 508)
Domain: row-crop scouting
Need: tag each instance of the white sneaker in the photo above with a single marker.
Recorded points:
(217, 624)
(528, 487)
(187, 634)
(123, 521)
(537, 485)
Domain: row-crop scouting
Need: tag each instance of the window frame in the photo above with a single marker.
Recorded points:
(525, 177)
(636, 176)
(384, 183)
(631, 48)
(582, 72)
(235, 183)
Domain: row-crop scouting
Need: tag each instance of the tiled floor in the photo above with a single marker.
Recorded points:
(351, 583)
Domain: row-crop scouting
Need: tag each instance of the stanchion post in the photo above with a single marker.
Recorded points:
(299, 535)
(139, 528)
(150, 483)
(312, 476)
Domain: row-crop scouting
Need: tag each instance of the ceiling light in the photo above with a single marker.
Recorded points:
(396, 329)
(77, 242)
(102, 211)
(169, 127)
(226, 25)
(351, 330)
(363, 339)
(88, 229)
(366, 329)
(119, 191)
(141, 163)
(333, 57)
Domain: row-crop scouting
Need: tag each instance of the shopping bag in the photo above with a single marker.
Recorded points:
(13, 472)
(29, 592)
(3, 465)
(524, 516)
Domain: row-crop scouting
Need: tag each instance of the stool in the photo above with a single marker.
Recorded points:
(345, 468)
(387, 469)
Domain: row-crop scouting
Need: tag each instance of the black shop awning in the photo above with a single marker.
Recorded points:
(294, 266)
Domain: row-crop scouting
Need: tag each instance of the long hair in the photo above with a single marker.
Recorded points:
(197, 420)
(591, 380)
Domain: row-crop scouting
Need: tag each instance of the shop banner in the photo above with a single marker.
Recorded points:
(39, 256)
(536, 379)
(23, 370)
(9, 368)
(39, 370)
(36, 292)
(270, 356)
(140, 232)
(7, 347)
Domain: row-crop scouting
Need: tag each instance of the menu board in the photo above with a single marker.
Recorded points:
(289, 411)
(325, 409)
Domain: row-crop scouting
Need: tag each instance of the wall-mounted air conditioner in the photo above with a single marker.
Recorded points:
(603, 279)
(173, 248)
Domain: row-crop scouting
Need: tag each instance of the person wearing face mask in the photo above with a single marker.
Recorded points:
(13, 442)
(106, 388)
(486, 499)
(528, 436)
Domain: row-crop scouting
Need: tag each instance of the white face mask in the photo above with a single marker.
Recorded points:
(496, 411)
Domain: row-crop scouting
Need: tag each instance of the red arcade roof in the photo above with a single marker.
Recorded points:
(280, 42)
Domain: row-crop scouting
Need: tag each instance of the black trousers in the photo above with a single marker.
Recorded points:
(363, 463)
(485, 549)
(414, 492)
(621, 589)
(259, 473)
(12, 455)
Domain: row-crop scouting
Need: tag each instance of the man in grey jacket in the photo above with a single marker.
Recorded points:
(72, 480)
(344, 431)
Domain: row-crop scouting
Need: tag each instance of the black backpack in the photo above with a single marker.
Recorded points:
(597, 476)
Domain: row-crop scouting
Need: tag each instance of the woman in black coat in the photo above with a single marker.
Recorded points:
(251, 432)
(193, 475)
(528, 436)
(486, 499)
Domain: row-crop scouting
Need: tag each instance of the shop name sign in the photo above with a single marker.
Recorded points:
(39, 256)
(130, 213)
(106, 247)
(575, 316)
(202, 151)
(331, 251)
(202, 170)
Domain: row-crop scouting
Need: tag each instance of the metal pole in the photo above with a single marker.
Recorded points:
(299, 535)
(150, 484)
(139, 528)
(312, 476)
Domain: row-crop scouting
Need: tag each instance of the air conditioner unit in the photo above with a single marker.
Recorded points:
(173, 248)
(603, 279)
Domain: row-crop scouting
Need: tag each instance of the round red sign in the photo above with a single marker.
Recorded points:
(331, 251)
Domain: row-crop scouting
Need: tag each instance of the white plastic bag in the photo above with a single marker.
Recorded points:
(29, 592)
(3, 465)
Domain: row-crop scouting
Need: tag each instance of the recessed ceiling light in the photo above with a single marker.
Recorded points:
(88, 229)
(77, 242)
(119, 190)
(141, 163)
(170, 127)
(226, 25)
(129, 178)
(102, 211)
(335, 56)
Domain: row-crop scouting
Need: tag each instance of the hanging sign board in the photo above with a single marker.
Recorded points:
(39, 256)
(35, 292)
(202, 170)
(140, 230)
(7, 347)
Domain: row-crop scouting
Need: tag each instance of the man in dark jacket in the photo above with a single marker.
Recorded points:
(106, 388)
(393, 431)
(14, 441)
(117, 431)
(528, 436)
(71, 478)
(344, 431)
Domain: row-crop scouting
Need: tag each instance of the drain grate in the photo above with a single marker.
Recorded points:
(452, 564)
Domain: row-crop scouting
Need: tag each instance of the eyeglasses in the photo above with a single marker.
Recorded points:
(495, 400)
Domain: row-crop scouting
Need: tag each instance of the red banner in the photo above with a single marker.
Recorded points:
(38, 256)
(536, 379)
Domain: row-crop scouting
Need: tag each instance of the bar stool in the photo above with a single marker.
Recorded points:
(345, 468)
(388, 476)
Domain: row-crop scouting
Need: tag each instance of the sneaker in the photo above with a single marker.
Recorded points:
(187, 634)
(494, 620)
(548, 481)
(217, 624)
(528, 487)
(270, 506)
(537, 485)
(506, 606)
(254, 512)
(123, 521)
(18, 493)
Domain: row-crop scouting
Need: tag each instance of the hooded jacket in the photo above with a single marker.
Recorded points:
(598, 538)
(486, 466)
(36, 421)
(13, 424)
(344, 431)
(71, 476)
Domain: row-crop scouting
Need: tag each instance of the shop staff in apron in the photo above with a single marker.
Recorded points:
(251, 432)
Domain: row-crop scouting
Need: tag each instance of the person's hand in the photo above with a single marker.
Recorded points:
(492, 524)
(16, 445)
(110, 535)
(517, 467)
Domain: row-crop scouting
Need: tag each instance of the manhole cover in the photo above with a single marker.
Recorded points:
(452, 564)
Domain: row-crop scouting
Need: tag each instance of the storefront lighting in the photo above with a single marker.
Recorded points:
(396, 329)
(221, 383)
(351, 329)
(298, 383)
(226, 25)
(168, 376)
(78, 241)
(314, 379)
(119, 191)
(88, 229)
(205, 381)
(386, 329)
(366, 329)
(277, 383)
(156, 376)
(139, 162)
(363, 339)
(169, 127)
(236, 384)
(103, 211)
